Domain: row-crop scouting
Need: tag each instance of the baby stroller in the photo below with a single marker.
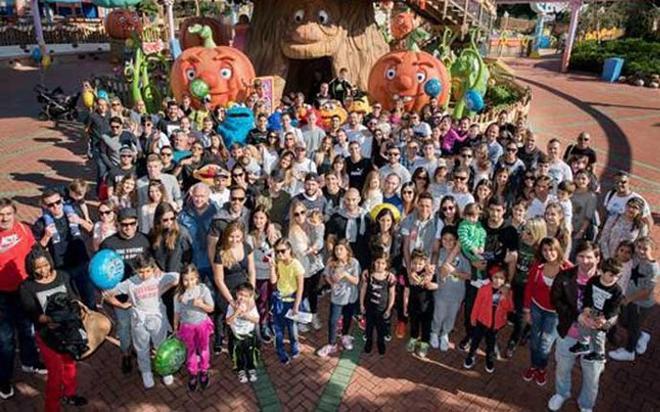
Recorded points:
(56, 105)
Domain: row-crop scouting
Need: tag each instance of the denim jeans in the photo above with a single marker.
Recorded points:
(218, 315)
(282, 323)
(13, 322)
(591, 372)
(80, 277)
(124, 329)
(346, 312)
(542, 336)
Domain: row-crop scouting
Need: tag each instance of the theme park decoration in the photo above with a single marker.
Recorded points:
(402, 24)
(106, 269)
(545, 12)
(87, 95)
(146, 67)
(115, 4)
(210, 73)
(332, 108)
(239, 120)
(360, 104)
(188, 39)
(121, 24)
(342, 33)
(469, 75)
(403, 75)
(170, 356)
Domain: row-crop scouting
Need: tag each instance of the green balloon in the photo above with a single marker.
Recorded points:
(170, 356)
(198, 88)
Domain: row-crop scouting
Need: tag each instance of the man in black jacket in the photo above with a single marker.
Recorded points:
(567, 297)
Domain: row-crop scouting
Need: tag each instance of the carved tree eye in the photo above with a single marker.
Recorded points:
(190, 74)
(225, 73)
(323, 17)
(390, 74)
(298, 16)
(421, 76)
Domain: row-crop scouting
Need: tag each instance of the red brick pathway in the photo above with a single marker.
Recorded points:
(623, 120)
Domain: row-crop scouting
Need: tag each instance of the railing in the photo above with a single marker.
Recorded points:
(87, 31)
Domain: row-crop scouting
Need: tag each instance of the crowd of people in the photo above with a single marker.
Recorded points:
(403, 219)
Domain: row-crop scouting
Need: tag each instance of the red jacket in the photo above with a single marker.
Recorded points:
(15, 244)
(482, 311)
(537, 291)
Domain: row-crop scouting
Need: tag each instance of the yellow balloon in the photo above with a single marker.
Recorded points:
(46, 61)
(88, 99)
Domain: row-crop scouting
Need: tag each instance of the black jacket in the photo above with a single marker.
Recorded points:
(564, 297)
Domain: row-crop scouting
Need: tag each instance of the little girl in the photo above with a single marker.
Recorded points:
(451, 289)
(376, 300)
(148, 317)
(489, 315)
(287, 274)
(343, 274)
(192, 304)
(418, 301)
(243, 321)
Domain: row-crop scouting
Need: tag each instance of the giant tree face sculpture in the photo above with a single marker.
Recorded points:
(218, 75)
(311, 29)
(401, 75)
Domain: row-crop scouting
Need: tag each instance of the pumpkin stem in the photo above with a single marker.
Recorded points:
(205, 33)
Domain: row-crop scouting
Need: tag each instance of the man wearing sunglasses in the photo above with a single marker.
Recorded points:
(233, 210)
(155, 172)
(394, 165)
(129, 243)
(67, 247)
(581, 148)
(112, 143)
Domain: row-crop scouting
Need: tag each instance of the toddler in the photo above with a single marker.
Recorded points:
(377, 295)
(418, 301)
(243, 320)
(565, 190)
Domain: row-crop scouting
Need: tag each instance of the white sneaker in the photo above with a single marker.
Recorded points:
(642, 343)
(316, 322)
(586, 410)
(347, 342)
(39, 369)
(148, 380)
(434, 341)
(327, 350)
(303, 328)
(622, 354)
(444, 343)
(556, 402)
(168, 380)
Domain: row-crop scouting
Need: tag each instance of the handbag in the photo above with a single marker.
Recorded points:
(97, 326)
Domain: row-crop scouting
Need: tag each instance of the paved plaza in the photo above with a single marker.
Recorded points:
(624, 122)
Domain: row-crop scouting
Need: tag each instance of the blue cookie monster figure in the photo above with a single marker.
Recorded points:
(239, 120)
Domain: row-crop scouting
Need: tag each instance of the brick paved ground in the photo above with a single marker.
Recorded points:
(623, 121)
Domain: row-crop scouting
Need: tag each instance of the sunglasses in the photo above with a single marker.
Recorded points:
(466, 155)
(237, 174)
(622, 182)
(511, 149)
(237, 199)
(55, 203)
(408, 192)
(166, 154)
(167, 219)
(460, 177)
(281, 251)
(128, 224)
(582, 139)
(300, 213)
(394, 154)
(115, 127)
(105, 212)
(529, 177)
(446, 208)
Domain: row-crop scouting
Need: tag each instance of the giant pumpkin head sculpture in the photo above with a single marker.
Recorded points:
(120, 23)
(214, 74)
(402, 75)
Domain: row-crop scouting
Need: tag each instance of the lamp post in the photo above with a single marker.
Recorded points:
(572, 29)
(170, 18)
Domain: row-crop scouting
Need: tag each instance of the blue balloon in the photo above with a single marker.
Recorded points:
(175, 48)
(36, 54)
(474, 101)
(106, 269)
(433, 87)
(102, 94)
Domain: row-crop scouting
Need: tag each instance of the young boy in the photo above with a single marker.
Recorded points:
(149, 322)
(243, 322)
(489, 314)
(639, 300)
(602, 301)
(565, 191)
(418, 301)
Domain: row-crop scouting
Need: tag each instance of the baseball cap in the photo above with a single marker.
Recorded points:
(311, 176)
(441, 163)
(127, 213)
(278, 175)
(126, 150)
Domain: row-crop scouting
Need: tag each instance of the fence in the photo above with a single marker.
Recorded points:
(71, 32)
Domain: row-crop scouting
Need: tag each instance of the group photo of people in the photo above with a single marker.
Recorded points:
(385, 226)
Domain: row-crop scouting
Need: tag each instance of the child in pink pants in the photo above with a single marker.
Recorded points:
(192, 304)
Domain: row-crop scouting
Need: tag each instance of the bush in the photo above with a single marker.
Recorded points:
(640, 56)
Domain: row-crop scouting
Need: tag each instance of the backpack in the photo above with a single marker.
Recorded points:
(69, 336)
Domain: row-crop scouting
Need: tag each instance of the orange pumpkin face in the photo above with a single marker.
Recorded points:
(216, 75)
(401, 75)
(402, 24)
(121, 23)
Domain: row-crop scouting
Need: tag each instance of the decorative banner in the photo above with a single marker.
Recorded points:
(267, 92)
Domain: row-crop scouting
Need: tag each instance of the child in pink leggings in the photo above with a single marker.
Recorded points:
(192, 304)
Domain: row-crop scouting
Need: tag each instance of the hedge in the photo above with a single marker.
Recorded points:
(641, 56)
